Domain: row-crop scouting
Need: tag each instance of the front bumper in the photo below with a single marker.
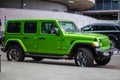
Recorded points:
(109, 52)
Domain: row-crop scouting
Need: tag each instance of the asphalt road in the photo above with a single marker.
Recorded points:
(114, 63)
(58, 70)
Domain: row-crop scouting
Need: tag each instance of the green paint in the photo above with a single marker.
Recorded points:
(60, 43)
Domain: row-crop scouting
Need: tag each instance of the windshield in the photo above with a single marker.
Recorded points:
(68, 26)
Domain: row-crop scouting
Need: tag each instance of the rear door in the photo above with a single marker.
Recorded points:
(30, 36)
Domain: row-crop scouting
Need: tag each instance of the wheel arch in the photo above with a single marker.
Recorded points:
(84, 45)
(15, 42)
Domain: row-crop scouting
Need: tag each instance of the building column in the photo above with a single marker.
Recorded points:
(21, 4)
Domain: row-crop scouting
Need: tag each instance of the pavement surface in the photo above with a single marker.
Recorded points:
(49, 69)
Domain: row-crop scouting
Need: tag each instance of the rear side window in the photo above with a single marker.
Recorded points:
(108, 28)
(96, 28)
(13, 27)
(30, 27)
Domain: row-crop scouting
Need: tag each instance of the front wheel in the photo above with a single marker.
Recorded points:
(103, 62)
(84, 58)
(15, 53)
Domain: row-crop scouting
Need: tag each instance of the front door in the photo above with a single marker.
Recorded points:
(30, 36)
(48, 41)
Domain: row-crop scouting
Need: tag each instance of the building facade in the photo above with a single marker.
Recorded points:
(105, 10)
(49, 5)
(21, 9)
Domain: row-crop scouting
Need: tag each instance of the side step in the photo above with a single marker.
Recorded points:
(47, 56)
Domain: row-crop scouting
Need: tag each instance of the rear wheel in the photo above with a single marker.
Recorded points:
(84, 57)
(15, 53)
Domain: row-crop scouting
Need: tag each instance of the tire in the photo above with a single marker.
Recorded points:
(84, 58)
(103, 62)
(15, 53)
(37, 58)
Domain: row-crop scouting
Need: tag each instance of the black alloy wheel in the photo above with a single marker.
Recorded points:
(15, 53)
(84, 58)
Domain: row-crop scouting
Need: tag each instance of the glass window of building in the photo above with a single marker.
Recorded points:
(99, 4)
(115, 4)
(107, 4)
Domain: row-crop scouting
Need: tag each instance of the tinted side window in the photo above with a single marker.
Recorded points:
(111, 28)
(108, 28)
(96, 28)
(13, 27)
(30, 27)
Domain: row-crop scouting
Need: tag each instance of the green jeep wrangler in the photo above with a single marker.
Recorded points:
(55, 39)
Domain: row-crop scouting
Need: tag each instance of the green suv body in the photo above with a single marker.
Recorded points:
(56, 39)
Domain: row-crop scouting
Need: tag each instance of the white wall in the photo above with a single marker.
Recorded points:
(42, 5)
(33, 4)
(80, 20)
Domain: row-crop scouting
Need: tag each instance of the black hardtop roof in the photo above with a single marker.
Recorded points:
(37, 19)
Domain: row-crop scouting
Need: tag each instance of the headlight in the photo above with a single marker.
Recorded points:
(96, 44)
